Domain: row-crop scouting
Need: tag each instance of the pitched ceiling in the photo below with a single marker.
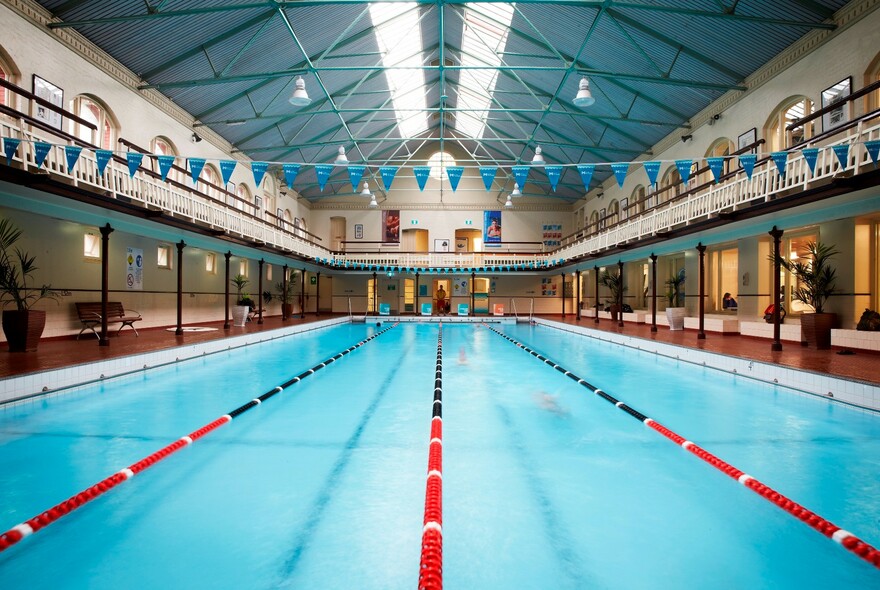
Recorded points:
(394, 82)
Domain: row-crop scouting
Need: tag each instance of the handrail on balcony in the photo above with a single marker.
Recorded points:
(825, 110)
(45, 103)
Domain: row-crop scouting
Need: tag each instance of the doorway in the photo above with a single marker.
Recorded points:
(446, 285)
(468, 240)
(337, 234)
(414, 240)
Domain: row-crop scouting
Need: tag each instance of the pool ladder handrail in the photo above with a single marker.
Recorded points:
(353, 319)
(531, 310)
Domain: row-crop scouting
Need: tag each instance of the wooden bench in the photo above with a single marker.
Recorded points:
(90, 315)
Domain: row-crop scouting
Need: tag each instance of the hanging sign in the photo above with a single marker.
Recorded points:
(520, 175)
(322, 171)
(488, 175)
(780, 158)
(41, 150)
(553, 175)
(9, 147)
(747, 161)
(454, 174)
(226, 169)
(422, 173)
(195, 168)
(290, 172)
(134, 269)
(652, 169)
(873, 149)
(620, 169)
(355, 173)
(134, 160)
(259, 169)
(387, 173)
(716, 165)
(72, 152)
(842, 153)
(165, 163)
(684, 169)
(586, 172)
(810, 156)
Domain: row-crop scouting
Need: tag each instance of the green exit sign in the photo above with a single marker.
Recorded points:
(468, 222)
(414, 221)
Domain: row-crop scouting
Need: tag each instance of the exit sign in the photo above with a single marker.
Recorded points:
(468, 222)
(414, 221)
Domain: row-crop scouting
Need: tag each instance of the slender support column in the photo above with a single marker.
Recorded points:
(105, 282)
(375, 295)
(596, 270)
(653, 292)
(417, 308)
(228, 255)
(260, 293)
(776, 234)
(473, 283)
(701, 335)
(284, 294)
(318, 294)
(302, 296)
(180, 246)
(620, 294)
(562, 293)
(577, 297)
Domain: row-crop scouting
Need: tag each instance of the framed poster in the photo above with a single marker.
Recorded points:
(51, 94)
(491, 227)
(830, 96)
(391, 225)
(441, 245)
(551, 234)
(358, 231)
(747, 139)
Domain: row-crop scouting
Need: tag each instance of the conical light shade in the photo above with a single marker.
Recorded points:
(341, 159)
(584, 98)
(538, 159)
(516, 192)
(509, 203)
(366, 192)
(373, 202)
(300, 97)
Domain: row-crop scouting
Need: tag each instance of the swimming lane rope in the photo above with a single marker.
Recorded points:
(42, 520)
(829, 529)
(431, 566)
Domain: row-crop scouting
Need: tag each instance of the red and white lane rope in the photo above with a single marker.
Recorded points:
(32, 525)
(431, 566)
(827, 528)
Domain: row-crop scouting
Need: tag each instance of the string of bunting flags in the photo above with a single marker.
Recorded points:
(356, 172)
(538, 264)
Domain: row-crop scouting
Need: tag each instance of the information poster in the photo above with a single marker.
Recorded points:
(552, 234)
(491, 227)
(134, 269)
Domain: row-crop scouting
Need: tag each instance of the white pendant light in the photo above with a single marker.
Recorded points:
(341, 159)
(516, 192)
(538, 159)
(300, 97)
(509, 203)
(584, 98)
(366, 193)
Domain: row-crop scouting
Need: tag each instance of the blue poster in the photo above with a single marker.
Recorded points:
(491, 227)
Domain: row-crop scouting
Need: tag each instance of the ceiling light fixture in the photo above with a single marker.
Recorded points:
(366, 193)
(341, 158)
(584, 97)
(509, 203)
(300, 97)
(538, 159)
(516, 192)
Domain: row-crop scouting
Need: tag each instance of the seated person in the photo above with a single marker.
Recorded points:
(728, 302)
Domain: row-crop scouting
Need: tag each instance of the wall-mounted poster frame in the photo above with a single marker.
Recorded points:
(746, 139)
(832, 95)
(441, 245)
(53, 95)
(358, 231)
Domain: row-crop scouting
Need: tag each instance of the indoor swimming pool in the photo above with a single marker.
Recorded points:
(545, 484)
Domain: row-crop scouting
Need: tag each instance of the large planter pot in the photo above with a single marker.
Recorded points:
(23, 329)
(239, 315)
(816, 330)
(286, 310)
(615, 312)
(675, 317)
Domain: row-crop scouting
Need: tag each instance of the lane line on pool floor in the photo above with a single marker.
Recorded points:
(44, 519)
(827, 528)
(431, 563)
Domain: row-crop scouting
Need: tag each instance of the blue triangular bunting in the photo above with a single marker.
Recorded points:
(354, 175)
(134, 160)
(716, 165)
(165, 163)
(586, 172)
(811, 155)
(454, 173)
(620, 169)
(488, 175)
(387, 173)
(102, 157)
(41, 150)
(195, 168)
(226, 169)
(422, 173)
(322, 171)
(553, 174)
(747, 161)
(520, 174)
(290, 172)
(652, 169)
(842, 153)
(684, 169)
(259, 169)
(72, 153)
(873, 149)
(780, 158)
(9, 147)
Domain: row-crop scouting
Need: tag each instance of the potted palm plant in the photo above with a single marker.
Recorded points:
(22, 325)
(285, 295)
(615, 284)
(814, 284)
(243, 301)
(675, 310)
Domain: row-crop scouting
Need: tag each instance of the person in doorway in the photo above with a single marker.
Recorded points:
(728, 302)
(441, 301)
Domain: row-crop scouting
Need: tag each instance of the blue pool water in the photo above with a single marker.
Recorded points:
(545, 485)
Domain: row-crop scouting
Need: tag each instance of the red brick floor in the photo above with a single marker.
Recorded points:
(53, 354)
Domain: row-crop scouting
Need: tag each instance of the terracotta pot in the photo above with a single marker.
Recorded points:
(23, 329)
(816, 330)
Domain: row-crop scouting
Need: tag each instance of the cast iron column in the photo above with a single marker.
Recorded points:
(653, 292)
(701, 335)
(562, 292)
(302, 296)
(577, 296)
(417, 309)
(228, 255)
(260, 293)
(473, 282)
(318, 294)
(105, 282)
(284, 293)
(596, 270)
(777, 254)
(620, 294)
(180, 246)
(375, 295)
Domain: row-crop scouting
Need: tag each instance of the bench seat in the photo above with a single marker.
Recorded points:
(89, 313)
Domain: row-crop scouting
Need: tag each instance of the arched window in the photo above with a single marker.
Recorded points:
(594, 222)
(613, 213)
(720, 148)
(210, 183)
(162, 146)
(777, 136)
(670, 185)
(439, 162)
(244, 196)
(288, 219)
(89, 109)
(8, 73)
(872, 75)
(637, 201)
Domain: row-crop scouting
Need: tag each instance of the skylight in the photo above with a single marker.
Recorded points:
(484, 39)
(400, 40)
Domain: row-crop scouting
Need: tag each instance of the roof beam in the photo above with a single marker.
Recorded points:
(724, 15)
